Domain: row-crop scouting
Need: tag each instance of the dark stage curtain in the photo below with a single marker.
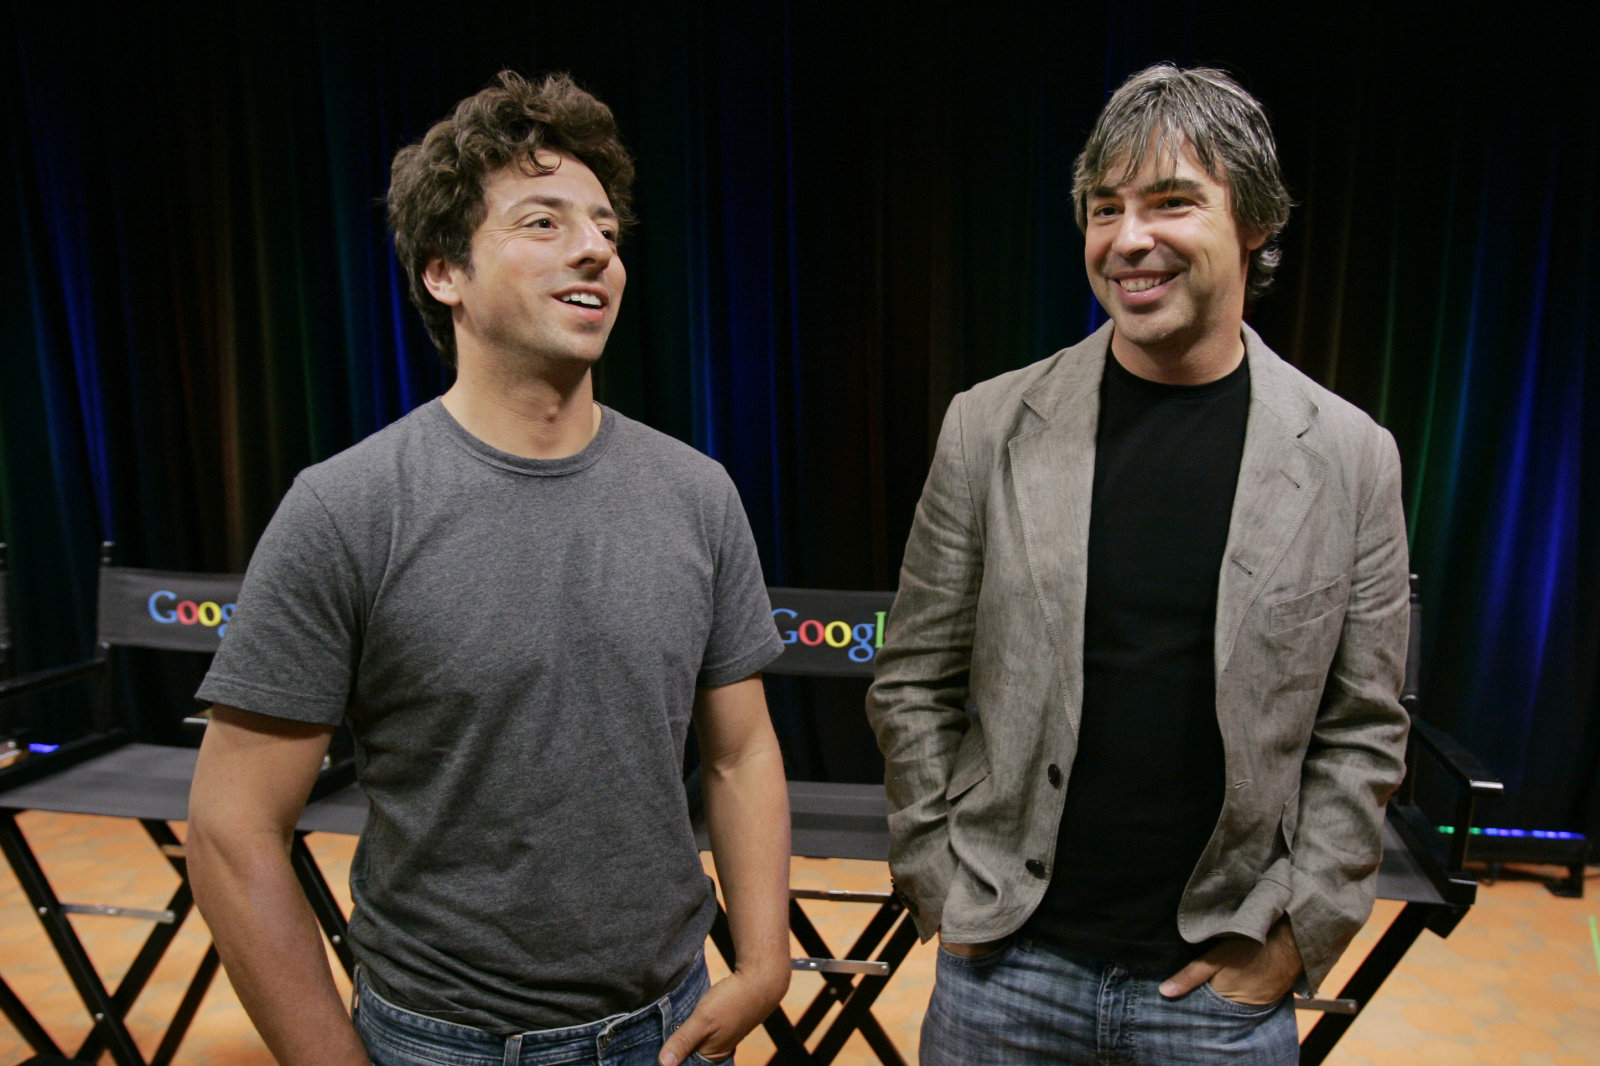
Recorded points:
(849, 213)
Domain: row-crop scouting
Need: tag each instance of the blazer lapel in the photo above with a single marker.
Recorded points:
(1052, 473)
(1279, 477)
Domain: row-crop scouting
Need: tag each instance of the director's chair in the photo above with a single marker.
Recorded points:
(111, 771)
(1424, 854)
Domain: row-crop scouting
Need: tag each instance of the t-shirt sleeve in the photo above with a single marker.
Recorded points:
(744, 638)
(294, 638)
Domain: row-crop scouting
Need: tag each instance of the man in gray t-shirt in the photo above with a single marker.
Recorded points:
(518, 600)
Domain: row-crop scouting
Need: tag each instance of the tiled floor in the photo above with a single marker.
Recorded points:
(1517, 983)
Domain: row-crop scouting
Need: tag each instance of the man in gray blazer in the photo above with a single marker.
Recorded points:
(1138, 698)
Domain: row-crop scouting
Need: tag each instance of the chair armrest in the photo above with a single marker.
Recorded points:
(1472, 783)
(42, 680)
(1455, 760)
(34, 767)
(24, 766)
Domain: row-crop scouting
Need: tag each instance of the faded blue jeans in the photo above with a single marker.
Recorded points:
(397, 1037)
(1023, 1004)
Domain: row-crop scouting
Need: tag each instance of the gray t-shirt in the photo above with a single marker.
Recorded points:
(515, 644)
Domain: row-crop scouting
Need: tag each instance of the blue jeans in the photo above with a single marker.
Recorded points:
(1023, 1004)
(397, 1037)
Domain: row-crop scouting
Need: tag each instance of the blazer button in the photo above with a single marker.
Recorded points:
(1035, 867)
(1054, 774)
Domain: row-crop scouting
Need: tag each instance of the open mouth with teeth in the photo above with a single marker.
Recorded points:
(583, 299)
(1143, 284)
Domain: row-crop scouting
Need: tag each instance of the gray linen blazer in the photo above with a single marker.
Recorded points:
(979, 682)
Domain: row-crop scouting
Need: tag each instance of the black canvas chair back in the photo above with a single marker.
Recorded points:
(1411, 688)
(153, 614)
(156, 610)
(1444, 782)
(164, 610)
(5, 616)
(828, 632)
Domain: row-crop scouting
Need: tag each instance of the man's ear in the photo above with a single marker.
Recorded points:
(440, 276)
(1250, 238)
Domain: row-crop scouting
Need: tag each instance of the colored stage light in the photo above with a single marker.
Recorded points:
(1537, 834)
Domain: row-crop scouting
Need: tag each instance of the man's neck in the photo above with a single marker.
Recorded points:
(1194, 365)
(530, 416)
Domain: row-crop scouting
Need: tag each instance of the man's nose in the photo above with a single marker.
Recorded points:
(1133, 235)
(591, 246)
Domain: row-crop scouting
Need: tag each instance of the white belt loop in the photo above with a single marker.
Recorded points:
(513, 1050)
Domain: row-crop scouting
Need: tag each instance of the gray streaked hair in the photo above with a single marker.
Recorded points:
(1163, 110)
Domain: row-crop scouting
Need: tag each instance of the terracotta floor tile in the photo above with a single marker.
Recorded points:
(1521, 1037)
(1440, 1053)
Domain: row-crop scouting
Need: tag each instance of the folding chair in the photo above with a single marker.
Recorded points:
(110, 771)
(1423, 858)
(10, 751)
(830, 633)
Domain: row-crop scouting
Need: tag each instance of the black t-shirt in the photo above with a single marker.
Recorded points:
(1146, 785)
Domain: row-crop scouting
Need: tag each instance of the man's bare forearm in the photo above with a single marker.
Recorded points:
(250, 786)
(268, 939)
(747, 818)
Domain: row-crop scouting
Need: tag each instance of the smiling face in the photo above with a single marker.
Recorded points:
(1168, 262)
(544, 282)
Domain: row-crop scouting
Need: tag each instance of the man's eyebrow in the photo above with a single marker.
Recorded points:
(1171, 184)
(1154, 188)
(558, 203)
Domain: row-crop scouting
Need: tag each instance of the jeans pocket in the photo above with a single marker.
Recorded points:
(1237, 1009)
(994, 952)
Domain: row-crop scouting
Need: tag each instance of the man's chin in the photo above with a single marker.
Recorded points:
(563, 364)
(1151, 331)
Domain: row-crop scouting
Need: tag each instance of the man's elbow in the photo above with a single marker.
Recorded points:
(221, 844)
(205, 849)
(756, 764)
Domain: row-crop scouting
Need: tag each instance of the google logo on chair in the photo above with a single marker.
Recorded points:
(811, 632)
(166, 608)
(825, 630)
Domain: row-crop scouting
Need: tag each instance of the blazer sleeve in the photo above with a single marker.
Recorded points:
(916, 704)
(1356, 755)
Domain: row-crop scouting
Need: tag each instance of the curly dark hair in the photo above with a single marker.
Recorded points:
(436, 185)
